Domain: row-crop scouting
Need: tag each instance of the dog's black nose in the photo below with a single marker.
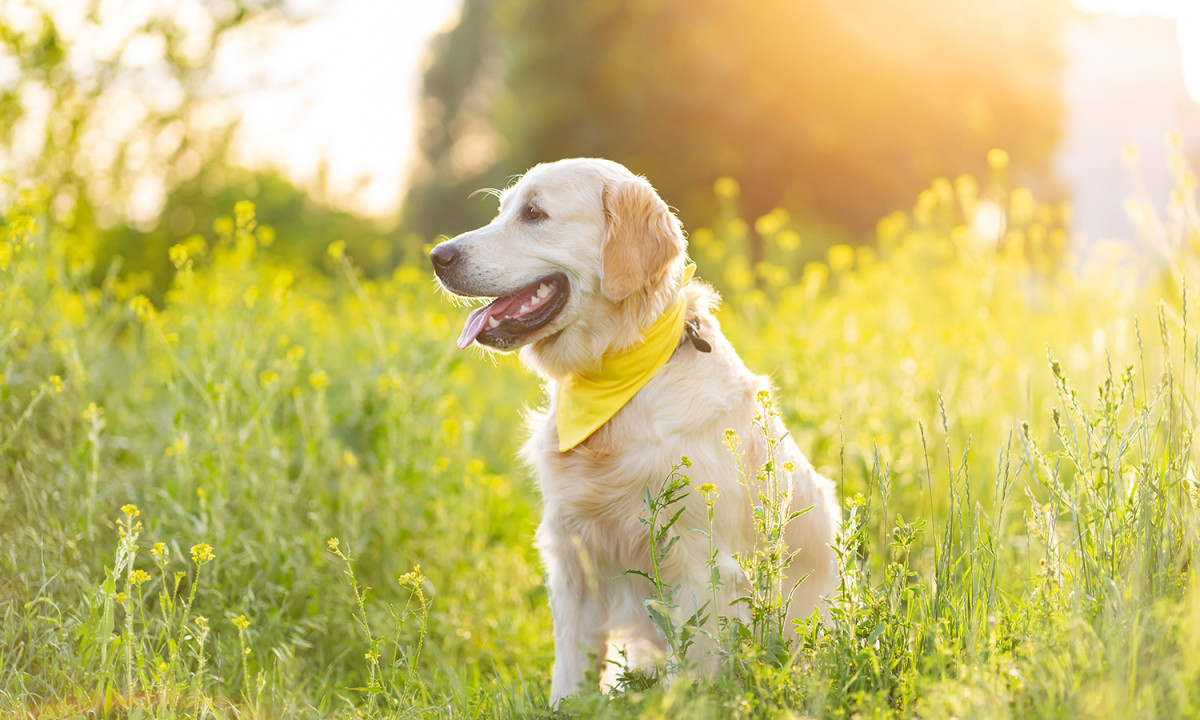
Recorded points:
(443, 256)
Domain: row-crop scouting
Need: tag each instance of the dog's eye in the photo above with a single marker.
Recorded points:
(533, 212)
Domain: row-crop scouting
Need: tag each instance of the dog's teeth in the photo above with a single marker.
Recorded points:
(524, 309)
(543, 290)
(492, 323)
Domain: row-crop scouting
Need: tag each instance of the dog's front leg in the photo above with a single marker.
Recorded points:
(579, 644)
(580, 640)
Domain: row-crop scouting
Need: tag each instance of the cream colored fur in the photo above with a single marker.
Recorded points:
(624, 255)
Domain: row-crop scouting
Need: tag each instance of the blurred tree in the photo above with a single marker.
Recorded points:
(112, 112)
(838, 110)
(107, 106)
(303, 226)
(457, 143)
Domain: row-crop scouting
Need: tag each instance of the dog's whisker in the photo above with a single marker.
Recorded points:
(493, 192)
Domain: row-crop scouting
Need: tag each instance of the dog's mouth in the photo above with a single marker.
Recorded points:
(506, 321)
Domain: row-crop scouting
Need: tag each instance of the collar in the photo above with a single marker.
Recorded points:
(587, 400)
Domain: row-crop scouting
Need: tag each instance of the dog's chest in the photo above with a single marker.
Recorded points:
(607, 486)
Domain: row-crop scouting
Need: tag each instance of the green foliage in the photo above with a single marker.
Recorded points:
(296, 229)
(769, 597)
(836, 111)
(232, 416)
(118, 106)
(662, 607)
(1013, 545)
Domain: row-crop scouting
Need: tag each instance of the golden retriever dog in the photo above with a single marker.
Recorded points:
(585, 262)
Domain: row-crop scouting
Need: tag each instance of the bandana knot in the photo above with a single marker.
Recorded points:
(587, 400)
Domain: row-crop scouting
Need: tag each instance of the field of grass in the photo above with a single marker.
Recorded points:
(282, 493)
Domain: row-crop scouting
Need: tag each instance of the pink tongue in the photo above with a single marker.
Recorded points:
(479, 317)
(475, 324)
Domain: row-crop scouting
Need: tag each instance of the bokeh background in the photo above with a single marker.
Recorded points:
(373, 121)
(244, 472)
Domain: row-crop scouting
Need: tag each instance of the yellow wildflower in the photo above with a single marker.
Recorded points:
(143, 308)
(319, 380)
(841, 258)
(1131, 153)
(450, 430)
(413, 578)
(178, 255)
(337, 250)
(223, 226)
(767, 225)
(202, 553)
(243, 210)
(726, 187)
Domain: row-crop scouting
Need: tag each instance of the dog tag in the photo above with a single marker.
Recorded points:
(693, 332)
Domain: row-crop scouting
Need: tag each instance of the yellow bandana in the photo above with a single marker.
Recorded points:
(588, 400)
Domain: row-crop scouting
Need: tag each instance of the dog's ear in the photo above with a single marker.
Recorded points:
(641, 239)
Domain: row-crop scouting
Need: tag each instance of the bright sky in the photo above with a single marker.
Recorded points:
(341, 89)
(1186, 12)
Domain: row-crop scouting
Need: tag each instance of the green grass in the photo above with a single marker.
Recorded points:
(218, 506)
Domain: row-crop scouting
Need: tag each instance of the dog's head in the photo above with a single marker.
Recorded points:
(581, 257)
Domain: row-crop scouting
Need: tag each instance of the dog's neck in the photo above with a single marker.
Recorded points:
(582, 346)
